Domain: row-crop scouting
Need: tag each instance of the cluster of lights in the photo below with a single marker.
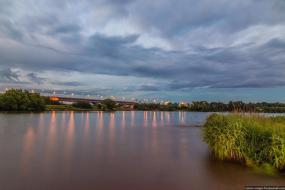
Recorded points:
(72, 94)
(123, 98)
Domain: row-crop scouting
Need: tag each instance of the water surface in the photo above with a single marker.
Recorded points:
(119, 150)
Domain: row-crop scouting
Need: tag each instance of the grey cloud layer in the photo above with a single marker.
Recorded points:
(218, 44)
(7, 75)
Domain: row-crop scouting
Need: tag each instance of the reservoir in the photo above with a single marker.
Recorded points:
(114, 150)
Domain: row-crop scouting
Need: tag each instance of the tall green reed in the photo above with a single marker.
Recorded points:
(250, 139)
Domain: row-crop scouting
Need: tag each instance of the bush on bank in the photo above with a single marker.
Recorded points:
(82, 105)
(19, 100)
(250, 139)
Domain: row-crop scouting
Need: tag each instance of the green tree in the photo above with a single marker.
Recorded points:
(19, 100)
(109, 104)
(82, 105)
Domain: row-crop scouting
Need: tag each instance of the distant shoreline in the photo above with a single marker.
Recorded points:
(88, 110)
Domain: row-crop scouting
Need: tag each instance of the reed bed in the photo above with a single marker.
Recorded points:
(254, 140)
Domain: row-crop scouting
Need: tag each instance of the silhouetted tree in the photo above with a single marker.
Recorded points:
(19, 100)
(109, 104)
(82, 105)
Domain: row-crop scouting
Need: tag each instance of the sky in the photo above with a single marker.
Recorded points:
(169, 49)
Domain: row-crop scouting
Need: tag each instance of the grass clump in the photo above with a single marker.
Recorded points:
(256, 141)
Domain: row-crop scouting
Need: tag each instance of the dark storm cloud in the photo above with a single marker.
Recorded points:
(111, 47)
(7, 75)
(65, 29)
(57, 36)
(72, 83)
(33, 77)
(174, 18)
(150, 88)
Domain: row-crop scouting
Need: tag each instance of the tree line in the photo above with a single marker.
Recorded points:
(237, 106)
(22, 100)
(204, 106)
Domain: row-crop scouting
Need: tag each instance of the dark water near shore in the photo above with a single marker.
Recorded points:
(120, 150)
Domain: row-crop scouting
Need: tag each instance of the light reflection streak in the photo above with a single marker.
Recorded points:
(154, 121)
(168, 118)
(132, 118)
(41, 125)
(123, 126)
(181, 118)
(27, 150)
(112, 120)
(70, 129)
(123, 120)
(111, 132)
(63, 122)
(162, 119)
(145, 119)
(50, 142)
(86, 127)
(100, 120)
(99, 130)
(69, 138)
(82, 119)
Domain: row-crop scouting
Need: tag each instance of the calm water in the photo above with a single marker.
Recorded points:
(121, 150)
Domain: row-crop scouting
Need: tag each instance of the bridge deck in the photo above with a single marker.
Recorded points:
(74, 99)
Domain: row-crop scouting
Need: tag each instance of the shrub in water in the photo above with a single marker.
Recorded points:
(254, 140)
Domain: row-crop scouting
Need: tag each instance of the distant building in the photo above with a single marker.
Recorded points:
(166, 103)
(184, 105)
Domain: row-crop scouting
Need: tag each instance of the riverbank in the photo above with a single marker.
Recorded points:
(253, 140)
(17, 100)
(64, 107)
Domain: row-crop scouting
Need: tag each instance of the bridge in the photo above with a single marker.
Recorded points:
(90, 100)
